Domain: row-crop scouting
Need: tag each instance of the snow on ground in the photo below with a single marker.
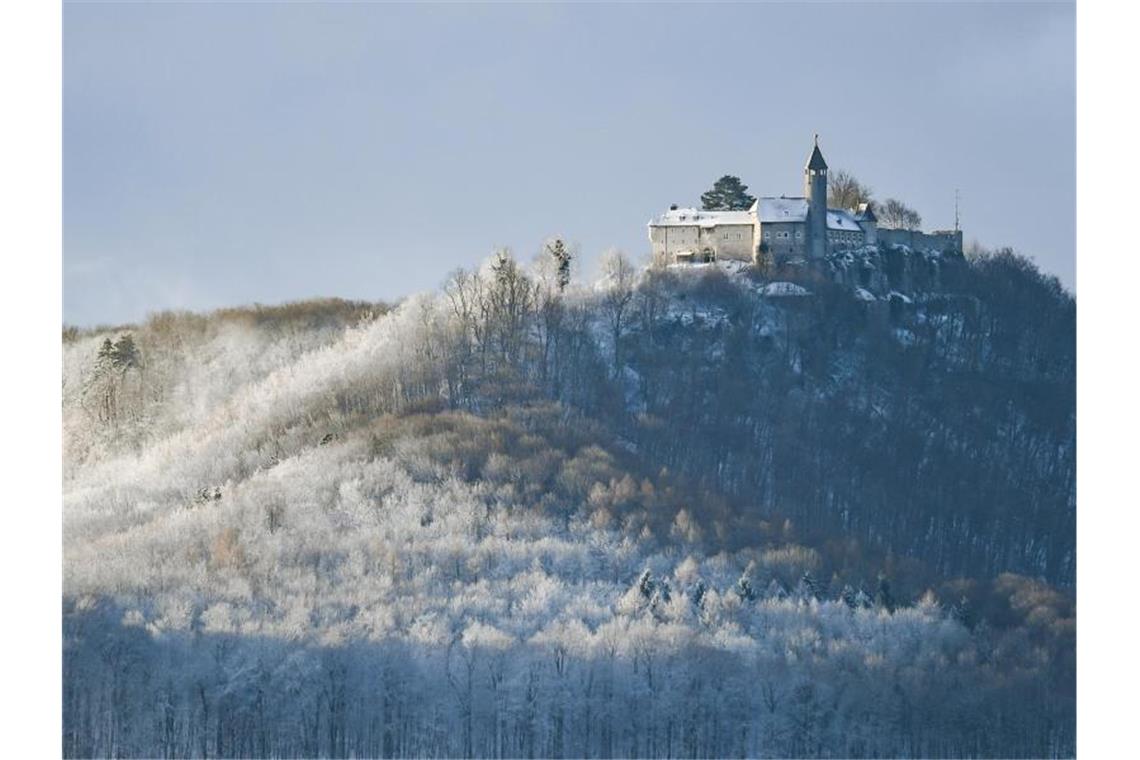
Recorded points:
(904, 298)
(728, 266)
(784, 289)
(904, 337)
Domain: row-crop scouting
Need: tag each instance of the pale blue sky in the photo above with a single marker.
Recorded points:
(222, 154)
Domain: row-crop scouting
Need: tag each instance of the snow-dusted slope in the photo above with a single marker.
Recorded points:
(284, 541)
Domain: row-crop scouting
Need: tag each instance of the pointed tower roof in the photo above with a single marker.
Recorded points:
(866, 212)
(816, 161)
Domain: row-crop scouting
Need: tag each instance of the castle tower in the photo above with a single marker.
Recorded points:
(815, 190)
(866, 218)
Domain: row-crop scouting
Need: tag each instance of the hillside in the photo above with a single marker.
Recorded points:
(692, 512)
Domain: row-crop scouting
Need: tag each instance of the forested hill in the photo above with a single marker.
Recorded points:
(782, 512)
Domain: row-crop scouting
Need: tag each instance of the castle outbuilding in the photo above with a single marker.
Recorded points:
(781, 228)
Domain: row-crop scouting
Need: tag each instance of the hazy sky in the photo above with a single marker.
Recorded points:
(222, 154)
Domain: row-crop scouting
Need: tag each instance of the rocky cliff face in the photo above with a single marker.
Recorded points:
(885, 268)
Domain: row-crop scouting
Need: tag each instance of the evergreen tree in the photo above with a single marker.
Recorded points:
(660, 596)
(562, 258)
(104, 361)
(105, 357)
(744, 589)
(727, 194)
(99, 388)
(810, 587)
(699, 592)
(645, 584)
(776, 590)
(124, 354)
(883, 597)
(963, 612)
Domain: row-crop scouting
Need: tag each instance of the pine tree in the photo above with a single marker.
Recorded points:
(744, 589)
(883, 597)
(100, 384)
(699, 592)
(810, 587)
(562, 258)
(124, 354)
(659, 597)
(727, 194)
(645, 584)
(963, 612)
(105, 357)
(776, 590)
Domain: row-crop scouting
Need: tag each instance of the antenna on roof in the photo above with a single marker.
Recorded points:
(956, 228)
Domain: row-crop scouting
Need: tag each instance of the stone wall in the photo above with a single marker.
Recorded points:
(784, 240)
(944, 241)
(726, 241)
(730, 241)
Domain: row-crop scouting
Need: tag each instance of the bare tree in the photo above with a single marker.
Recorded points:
(845, 191)
(894, 213)
(619, 277)
(512, 299)
(466, 293)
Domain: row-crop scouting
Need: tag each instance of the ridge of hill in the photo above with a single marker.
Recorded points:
(676, 513)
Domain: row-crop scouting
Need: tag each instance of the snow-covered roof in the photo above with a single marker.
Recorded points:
(782, 210)
(778, 289)
(839, 219)
(770, 210)
(689, 217)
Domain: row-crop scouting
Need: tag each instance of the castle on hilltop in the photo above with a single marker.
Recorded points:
(783, 228)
